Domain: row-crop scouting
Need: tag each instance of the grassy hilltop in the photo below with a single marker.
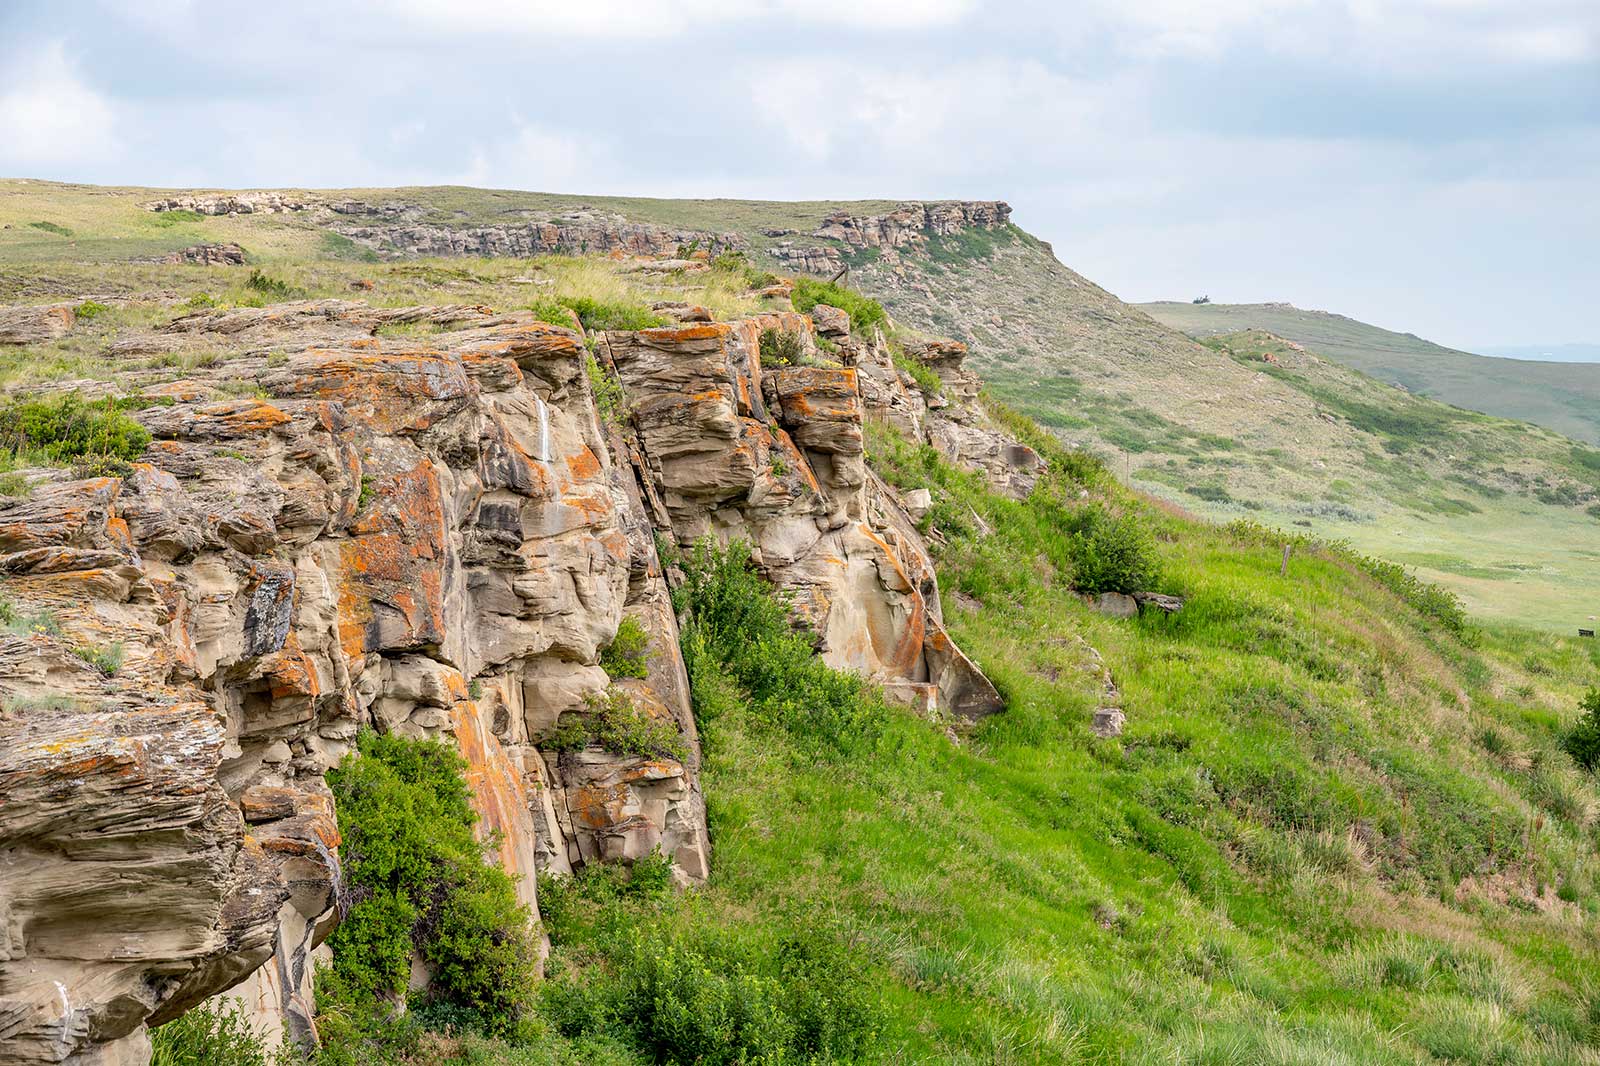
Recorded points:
(1340, 828)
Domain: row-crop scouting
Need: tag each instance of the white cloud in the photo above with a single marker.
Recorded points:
(533, 158)
(975, 117)
(633, 19)
(48, 114)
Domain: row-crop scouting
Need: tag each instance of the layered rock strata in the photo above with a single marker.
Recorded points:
(433, 536)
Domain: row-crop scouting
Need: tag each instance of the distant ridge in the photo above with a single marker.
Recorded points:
(1561, 393)
(1549, 353)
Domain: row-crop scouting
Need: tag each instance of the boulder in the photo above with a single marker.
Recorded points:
(831, 322)
(35, 325)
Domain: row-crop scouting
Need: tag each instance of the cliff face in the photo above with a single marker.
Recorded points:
(433, 534)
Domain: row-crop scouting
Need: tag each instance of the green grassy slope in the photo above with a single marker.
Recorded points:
(1333, 833)
(1561, 396)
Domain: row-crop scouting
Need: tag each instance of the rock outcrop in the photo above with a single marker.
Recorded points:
(206, 255)
(580, 234)
(27, 324)
(434, 536)
(907, 227)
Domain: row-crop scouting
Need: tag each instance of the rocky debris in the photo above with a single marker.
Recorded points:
(1108, 719)
(35, 324)
(206, 255)
(269, 202)
(242, 203)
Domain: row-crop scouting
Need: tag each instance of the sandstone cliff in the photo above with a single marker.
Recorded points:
(432, 534)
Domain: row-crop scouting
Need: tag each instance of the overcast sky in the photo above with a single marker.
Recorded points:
(1428, 165)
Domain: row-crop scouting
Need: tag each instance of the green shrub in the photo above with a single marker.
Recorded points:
(1209, 493)
(607, 390)
(269, 286)
(108, 660)
(864, 311)
(420, 884)
(782, 348)
(51, 227)
(89, 310)
(201, 301)
(607, 314)
(926, 378)
(1112, 552)
(552, 311)
(1582, 742)
(1435, 601)
(628, 653)
(210, 1035)
(740, 649)
(738, 267)
(1593, 510)
(612, 721)
(22, 623)
(69, 427)
(661, 980)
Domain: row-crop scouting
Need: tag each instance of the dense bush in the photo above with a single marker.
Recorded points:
(628, 654)
(606, 314)
(269, 286)
(864, 311)
(681, 990)
(1112, 552)
(68, 427)
(554, 312)
(612, 721)
(211, 1036)
(1582, 742)
(707, 997)
(741, 650)
(782, 348)
(1435, 601)
(607, 391)
(421, 885)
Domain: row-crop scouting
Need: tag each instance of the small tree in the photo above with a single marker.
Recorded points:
(1582, 742)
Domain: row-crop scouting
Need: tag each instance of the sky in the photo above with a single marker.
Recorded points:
(1430, 166)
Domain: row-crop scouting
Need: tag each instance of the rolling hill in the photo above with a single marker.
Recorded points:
(1559, 395)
